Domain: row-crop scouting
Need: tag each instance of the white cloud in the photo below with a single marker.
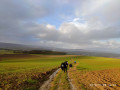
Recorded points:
(111, 44)
(95, 24)
(106, 10)
(51, 27)
(76, 19)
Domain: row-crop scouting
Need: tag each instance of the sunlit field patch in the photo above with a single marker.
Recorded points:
(6, 52)
(97, 63)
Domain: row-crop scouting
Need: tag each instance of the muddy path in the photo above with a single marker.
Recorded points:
(62, 82)
(46, 84)
(72, 87)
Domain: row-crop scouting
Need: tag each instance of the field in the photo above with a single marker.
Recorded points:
(6, 52)
(28, 72)
(96, 73)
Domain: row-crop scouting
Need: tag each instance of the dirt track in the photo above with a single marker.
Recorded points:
(46, 84)
(72, 87)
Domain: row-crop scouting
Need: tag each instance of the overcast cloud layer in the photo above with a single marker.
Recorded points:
(80, 24)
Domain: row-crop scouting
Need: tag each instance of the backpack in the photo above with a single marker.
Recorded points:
(62, 65)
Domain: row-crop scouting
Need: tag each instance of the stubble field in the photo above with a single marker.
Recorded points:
(96, 73)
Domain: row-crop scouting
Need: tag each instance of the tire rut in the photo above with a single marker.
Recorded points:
(46, 84)
(72, 87)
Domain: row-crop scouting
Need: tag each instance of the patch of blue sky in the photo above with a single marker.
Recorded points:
(118, 39)
(56, 18)
(115, 39)
(51, 20)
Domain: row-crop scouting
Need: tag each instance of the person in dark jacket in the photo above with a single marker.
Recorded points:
(64, 66)
(70, 65)
(74, 62)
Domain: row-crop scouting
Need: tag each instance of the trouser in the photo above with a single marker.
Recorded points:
(65, 69)
(62, 68)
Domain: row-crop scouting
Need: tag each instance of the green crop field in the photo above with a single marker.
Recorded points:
(35, 63)
(6, 52)
(97, 63)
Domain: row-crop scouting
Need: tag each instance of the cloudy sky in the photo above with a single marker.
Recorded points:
(74, 24)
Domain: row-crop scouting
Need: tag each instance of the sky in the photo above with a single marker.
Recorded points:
(71, 24)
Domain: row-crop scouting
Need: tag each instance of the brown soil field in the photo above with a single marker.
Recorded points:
(56, 55)
(20, 81)
(108, 79)
(30, 56)
(15, 55)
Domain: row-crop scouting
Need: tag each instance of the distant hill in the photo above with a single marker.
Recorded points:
(68, 51)
(14, 46)
(26, 47)
(20, 46)
(93, 53)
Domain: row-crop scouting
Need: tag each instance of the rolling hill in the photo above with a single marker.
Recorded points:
(68, 51)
